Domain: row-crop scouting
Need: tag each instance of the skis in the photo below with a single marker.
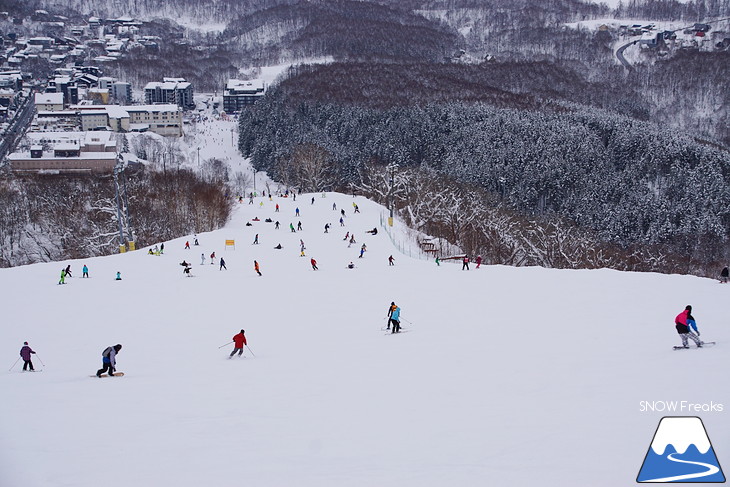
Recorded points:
(116, 374)
(396, 333)
(704, 345)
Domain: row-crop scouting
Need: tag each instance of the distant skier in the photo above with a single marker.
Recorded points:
(196, 242)
(724, 275)
(347, 235)
(291, 227)
(326, 227)
(109, 360)
(683, 322)
(357, 208)
(314, 264)
(162, 248)
(334, 206)
(187, 245)
(296, 212)
(342, 222)
(256, 240)
(479, 261)
(85, 271)
(25, 353)
(68, 271)
(256, 268)
(438, 262)
(312, 199)
(202, 259)
(391, 260)
(63, 277)
(119, 276)
(212, 258)
(277, 208)
(299, 225)
(276, 225)
(222, 265)
(350, 265)
(239, 341)
(465, 263)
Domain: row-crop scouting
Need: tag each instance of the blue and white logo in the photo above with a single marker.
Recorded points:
(681, 452)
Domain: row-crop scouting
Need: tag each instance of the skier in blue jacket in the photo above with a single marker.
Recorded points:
(395, 320)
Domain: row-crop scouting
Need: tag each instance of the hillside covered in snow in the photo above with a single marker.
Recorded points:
(503, 376)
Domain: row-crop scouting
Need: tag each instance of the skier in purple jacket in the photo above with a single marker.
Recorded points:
(25, 353)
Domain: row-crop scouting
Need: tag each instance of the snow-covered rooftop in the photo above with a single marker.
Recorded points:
(48, 98)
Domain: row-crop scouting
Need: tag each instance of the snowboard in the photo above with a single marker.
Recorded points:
(704, 345)
(116, 374)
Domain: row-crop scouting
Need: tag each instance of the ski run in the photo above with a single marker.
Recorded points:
(511, 377)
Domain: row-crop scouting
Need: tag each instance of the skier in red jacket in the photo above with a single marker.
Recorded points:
(239, 342)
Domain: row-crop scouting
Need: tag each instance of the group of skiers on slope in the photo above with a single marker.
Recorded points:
(108, 359)
(84, 274)
(684, 322)
(465, 262)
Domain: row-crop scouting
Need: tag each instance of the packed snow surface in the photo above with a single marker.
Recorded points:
(505, 376)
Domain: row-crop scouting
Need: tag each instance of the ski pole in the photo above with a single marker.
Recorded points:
(249, 349)
(226, 344)
(410, 322)
(39, 359)
(11, 368)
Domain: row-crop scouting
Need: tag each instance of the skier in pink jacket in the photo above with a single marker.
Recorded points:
(682, 323)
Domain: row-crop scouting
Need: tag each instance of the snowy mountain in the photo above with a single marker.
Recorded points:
(506, 376)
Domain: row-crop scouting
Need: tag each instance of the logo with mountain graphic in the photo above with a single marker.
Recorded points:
(681, 452)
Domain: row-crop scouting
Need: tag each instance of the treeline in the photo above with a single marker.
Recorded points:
(343, 29)
(690, 12)
(208, 68)
(688, 91)
(476, 222)
(517, 84)
(669, 92)
(198, 12)
(628, 182)
(49, 218)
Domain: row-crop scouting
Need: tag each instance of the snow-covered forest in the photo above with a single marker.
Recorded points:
(630, 183)
(50, 217)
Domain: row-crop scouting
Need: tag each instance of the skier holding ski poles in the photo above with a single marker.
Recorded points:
(239, 341)
(25, 353)
(683, 322)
